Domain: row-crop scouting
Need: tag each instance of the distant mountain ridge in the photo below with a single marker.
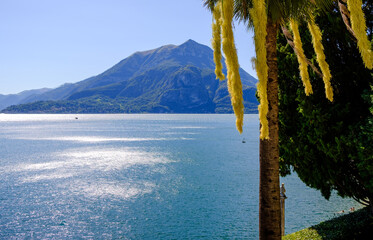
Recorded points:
(174, 79)
(11, 99)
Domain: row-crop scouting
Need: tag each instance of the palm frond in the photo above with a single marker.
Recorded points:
(209, 4)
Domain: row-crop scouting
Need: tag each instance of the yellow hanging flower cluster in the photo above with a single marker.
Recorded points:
(303, 67)
(231, 60)
(259, 15)
(222, 32)
(359, 27)
(216, 41)
(320, 57)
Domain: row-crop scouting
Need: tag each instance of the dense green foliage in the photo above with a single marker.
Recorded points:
(357, 225)
(102, 104)
(88, 105)
(158, 101)
(329, 144)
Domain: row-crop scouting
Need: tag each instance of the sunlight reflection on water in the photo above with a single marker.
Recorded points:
(98, 139)
(78, 162)
(113, 189)
(138, 177)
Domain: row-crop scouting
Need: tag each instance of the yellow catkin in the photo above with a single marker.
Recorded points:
(358, 25)
(320, 57)
(303, 67)
(259, 15)
(231, 60)
(216, 41)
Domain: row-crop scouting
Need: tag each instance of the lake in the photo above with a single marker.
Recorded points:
(139, 176)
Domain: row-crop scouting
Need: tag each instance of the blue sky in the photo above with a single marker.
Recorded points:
(45, 43)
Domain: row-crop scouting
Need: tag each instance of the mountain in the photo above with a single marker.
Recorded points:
(172, 79)
(11, 99)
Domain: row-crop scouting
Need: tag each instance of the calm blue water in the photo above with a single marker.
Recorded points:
(139, 177)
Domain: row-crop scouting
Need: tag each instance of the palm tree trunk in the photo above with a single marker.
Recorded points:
(269, 187)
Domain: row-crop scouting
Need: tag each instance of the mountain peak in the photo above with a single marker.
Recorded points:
(191, 41)
(193, 44)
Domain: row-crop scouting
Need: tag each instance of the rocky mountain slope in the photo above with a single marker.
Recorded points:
(169, 79)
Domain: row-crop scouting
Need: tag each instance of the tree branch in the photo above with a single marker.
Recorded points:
(289, 39)
(346, 17)
(362, 202)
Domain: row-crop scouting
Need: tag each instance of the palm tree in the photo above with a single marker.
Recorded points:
(266, 16)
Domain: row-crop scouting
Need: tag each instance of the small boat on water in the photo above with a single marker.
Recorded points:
(243, 140)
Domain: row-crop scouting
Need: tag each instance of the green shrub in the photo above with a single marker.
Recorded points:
(357, 225)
